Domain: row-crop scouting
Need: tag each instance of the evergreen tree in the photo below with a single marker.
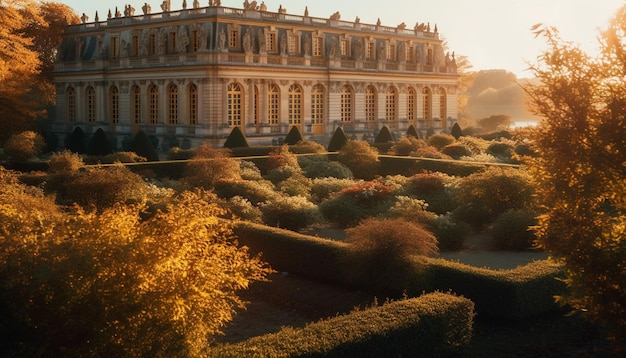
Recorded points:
(294, 136)
(236, 139)
(338, 140)
(142, 146)
(384, 136)
(99, 144)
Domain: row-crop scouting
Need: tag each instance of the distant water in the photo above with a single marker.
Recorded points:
(521, 124)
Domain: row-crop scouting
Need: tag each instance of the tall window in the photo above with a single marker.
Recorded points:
(233, 39)
(195, 40)
(114, 48)
(234, 102)
(370, 103)
(171, 43)
(294, 47)
(318, 46)
(318, 104)
(410, 54)
(391, 52)
(429, 57)
(295, 105)
(273, 107)
(427, 105)
(152, 45)
(193, 104)
(370, 50)
(135, 45)
(114, 104)
(345, 48)
(410, 104)
(172, 104)
(135, 104)
(70, 96)
(270, 41)
(347, 103)
(153, 95)
(391, 104)
(256, 105)
(443, 107)
(90, 104)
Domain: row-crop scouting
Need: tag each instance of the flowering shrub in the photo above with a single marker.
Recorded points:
(429, 152)
(361, 158)
(290, 212)
(450, 233)
(368, 191)
(255, 191)
(406, 145)
(324, 188)
(210, 166)
(64, 162)
(425, 183)
(411, 209)
(243, 209)
(321, 167)
(440, 140)
(281, 157)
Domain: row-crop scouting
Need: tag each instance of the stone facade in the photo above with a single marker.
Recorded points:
(191, 75)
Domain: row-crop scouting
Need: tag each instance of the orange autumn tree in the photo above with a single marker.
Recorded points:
(581, 169)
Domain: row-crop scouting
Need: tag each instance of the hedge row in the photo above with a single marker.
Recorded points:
(433, 325)
(520, 293)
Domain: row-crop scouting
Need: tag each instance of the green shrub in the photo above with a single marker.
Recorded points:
(426, 183)
(98, 187)
(177, 153)
(123, 157)
(429, 152)
(486, 194)
(411, 132)
(319, 166)
(440, 140)
(75, 141)
(99, 144)
(432, 325)
(143, 146)
(512, 230)
(255, 191)
(411, 209)
(474, 144)
(285, 172)
(381, 252)
(243, 209)
(456, 130)
(324, 188)
(501, 150)
(407, 145)
(236, 139)
(455, 150)
(338, 140)
(23, 146)
(384, 136)
(290, 212)
(294, 136)
(209, 166)
(295, 185)
(360, 158)
(280, 157)
(249, 171)
(307, 146)
(450, 233)
(64, 162)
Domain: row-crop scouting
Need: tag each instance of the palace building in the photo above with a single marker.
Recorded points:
(191, 75)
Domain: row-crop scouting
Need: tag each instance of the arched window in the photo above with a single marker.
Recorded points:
(443, 107)
(427, 106)
(391, 104)
(370, 103)
(295, 105)
(114, 104)
(347, 104)
(273, 101)
(70, 96)
(153, 95)
(410, 104)
(172, 104)
(135, 104)
(90, 104)
(192, 91)
(318, 104)
(234, 102)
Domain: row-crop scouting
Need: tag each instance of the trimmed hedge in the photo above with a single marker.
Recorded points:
(524, 292)
(433, 325)
(407, 166)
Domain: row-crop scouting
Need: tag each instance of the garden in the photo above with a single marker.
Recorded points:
(356, 252)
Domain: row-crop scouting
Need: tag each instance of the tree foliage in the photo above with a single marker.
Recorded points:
(81, 283)
(581, 168)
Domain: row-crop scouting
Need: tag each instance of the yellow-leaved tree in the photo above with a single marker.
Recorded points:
(116, 283)
(581, 169)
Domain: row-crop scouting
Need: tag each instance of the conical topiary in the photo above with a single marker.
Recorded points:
(384, 136)
(75, 142)
(456, 130)
(143, 147)
(294, 136)
(236, 139)
(412, 132)
(338, 140)
(99, 144)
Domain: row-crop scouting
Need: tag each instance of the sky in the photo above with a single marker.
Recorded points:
(493, 34)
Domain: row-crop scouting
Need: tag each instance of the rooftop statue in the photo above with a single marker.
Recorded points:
(335, 16)
(84, 18)
(146, 8)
